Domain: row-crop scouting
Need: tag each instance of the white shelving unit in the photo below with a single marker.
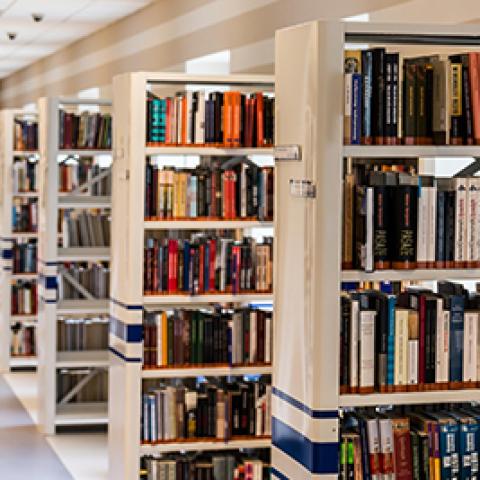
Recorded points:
(309, 113)
(8, 239)
(51, 256)
(128, 300)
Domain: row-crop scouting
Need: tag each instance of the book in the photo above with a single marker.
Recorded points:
(89, 130)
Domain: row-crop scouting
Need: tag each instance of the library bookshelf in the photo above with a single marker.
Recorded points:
(55, 409)
(9, 240)
(128, 301)
(306, 401)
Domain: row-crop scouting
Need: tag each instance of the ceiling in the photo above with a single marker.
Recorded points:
(64, 21)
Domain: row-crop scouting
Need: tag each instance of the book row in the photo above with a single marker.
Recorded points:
(206, 411)
(228, 119)
(24, 215)
(422, 442)
(245, 191)
(86, 176)
(94, 278)
(417, 340)
(405, 221)
(23, 340)
(197, 337)
(85, 229)
(424, 100)
(204, 264)
(24, 175)
(87, 130)
(24, 297)
(216, 466)
(24, 256)
(80, 334)
(25, 136)
(95, 390)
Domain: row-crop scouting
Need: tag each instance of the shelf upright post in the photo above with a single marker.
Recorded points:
(126, 287)
(6, 158)
(47, 261)
(309, 103)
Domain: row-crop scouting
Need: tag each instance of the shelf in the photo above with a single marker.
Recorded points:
(24, 153)
(206, 371)
(207, 151)
(85, 359)
(413, 275)
(205, 445)
(72, 414)
(209, 298)
(410, 151)
(24, 276)
(25, 194)
(193, 224)
(83, 306)
(83, 254)
(83, 201)
(84, 152)
(21, 361)
(17, 235)
(438, 396)
(23, 318)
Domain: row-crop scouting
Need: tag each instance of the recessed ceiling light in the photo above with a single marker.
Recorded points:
(37, 17)
(12, 35)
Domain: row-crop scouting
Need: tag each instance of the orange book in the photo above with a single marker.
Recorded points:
(474, 64)
(164, 340)
(227, 119)
(260, 133)
(184, 120)
(236, 118)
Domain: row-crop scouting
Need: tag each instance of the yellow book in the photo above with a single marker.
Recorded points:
(164, 340)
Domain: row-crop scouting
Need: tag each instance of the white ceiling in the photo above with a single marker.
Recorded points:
(64, 21)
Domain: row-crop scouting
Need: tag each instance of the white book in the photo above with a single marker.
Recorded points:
(400, 376)
(369, 231)
(473, 220)
(173, 121)
(460, 187)
(470, 347)
(422, 225)
(200, 118)
(373, 438)
(243, 191)
(348, 106)
(179, 104)
(432, 224)
(367, 349)
(386, 442)
(442, 357)
(253, 337)
(354, 344)
(159, 327)
(189, 125)
(412, 362)
(268, 339)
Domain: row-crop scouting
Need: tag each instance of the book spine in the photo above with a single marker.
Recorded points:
(432, 226)
(367, 97)
(467, 102)
(378, 95)
(456, 137)
(401, 350)
(409, 119)
(456, 341)
(391, 343)
(348, 109)
(470, 349)
(422, 226)
(460, 259)
(382, 212)
(354, 343)
(356, 130)
(442, 347)
(367, 351)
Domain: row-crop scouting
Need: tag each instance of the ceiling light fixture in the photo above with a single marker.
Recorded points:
(37, 17)
(12, 35)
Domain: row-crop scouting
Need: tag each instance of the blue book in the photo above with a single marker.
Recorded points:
(356, 109)
(367, 65)
(391, 340)
(457, 306)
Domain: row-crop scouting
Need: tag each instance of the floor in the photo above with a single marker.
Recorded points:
(58, 457)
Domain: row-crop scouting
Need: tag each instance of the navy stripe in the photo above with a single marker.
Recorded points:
(51, 282)
(127, 332)
(278, 474)
(301, 406)
(49, 264)
(7, 254)
(318, 458)
(43, 299)
(7, 269)
(7, 239)
(123, 357)
(125, 305)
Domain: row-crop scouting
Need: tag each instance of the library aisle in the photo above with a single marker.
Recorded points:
(61, 457)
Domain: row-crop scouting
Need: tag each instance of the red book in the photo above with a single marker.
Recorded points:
(473, 64)
(67, 131)
(146, 346)
(236, 118)
(201, 279)
(172, 262)
(211, 269)
(154, 262)
(147, 272)
(260, 133)
(34, 299)
(402, 449)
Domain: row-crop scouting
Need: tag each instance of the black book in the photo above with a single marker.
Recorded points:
(430, 338)
(346, 308)
(450, 215)
(457, 111)
(217, 98)
(409, 102)
(378, 95)
(466, 102)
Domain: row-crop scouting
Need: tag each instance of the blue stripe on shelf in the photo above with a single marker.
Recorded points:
(318, 458)
(7, 254)
(51, 282)
(304, 408)
(48, 264)
(7, 239)
(278, 474)
(124, 358)
(43, 299)
(7, 269)
(127, 332)
(125, 305)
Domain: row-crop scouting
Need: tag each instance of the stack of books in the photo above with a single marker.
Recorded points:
(95, 278)
(23, 340)
(80, 334)
(24, 298)
(24, 256)
(24, 176)
(24, 215)
(95, 390)
(25, 135)
(85, 229)
(73, 175)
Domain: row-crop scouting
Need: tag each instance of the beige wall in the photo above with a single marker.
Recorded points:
(169, 32)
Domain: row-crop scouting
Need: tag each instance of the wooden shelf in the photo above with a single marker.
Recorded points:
(83, 306)
(82, 413)
(83, 254)
(84, 152)
(206, 371)
(193, 224)
(23, 318)
(410, 151)
(209, 298)
(410, 398)
(207, 151)
(24, 153)
(83, 359)
(28, 235)
(204, 446)
(25, 194)
(83, 201)
(412, 275)
(24, 276)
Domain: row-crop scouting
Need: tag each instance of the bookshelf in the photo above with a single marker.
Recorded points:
(9, 156)
(307, 402)
(56, 313)
(129, 303)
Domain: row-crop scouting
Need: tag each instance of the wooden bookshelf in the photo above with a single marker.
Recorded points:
(128, 298)
(8, 238)
(53, 414)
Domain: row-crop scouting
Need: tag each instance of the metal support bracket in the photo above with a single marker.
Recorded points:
(75, 284)
(469, 170)
(97, 178)
(80, 385)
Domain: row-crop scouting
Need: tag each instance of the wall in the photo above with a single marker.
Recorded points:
(167, 33)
